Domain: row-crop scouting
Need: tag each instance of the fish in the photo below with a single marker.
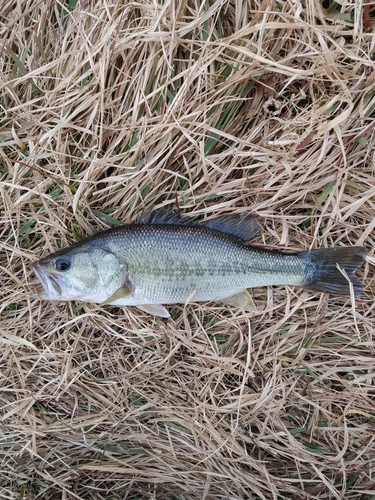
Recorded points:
(165, 258)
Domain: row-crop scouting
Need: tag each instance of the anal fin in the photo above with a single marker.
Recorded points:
(241, 299)
(154, 309)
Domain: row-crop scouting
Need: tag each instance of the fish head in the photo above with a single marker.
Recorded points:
(87, 273)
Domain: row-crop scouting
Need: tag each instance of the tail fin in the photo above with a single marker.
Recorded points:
(323, 269)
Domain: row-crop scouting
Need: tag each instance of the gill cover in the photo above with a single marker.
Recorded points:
(112, 274)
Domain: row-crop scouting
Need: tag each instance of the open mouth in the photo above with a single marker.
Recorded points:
(49, 285)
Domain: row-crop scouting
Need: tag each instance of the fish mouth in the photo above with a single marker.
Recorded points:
(49, 288)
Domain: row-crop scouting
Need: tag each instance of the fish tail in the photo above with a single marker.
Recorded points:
(332, 270)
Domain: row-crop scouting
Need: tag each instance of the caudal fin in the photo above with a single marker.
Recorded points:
(324, 269)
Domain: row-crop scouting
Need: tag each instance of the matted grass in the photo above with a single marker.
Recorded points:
(108, 109)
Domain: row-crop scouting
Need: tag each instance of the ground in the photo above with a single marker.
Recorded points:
(109, 109)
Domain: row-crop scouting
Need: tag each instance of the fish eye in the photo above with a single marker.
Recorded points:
(63, 264)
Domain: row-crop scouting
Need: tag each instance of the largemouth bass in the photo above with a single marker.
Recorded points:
(165, 259)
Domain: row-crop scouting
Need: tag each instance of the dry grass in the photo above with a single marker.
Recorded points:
(111, 108)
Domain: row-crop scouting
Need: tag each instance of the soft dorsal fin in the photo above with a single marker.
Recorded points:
(244, 226)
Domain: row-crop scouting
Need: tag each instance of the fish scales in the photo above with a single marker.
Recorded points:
(168, 263)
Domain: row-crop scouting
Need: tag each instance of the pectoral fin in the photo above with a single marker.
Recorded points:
(121, 293)
(155, 310)
(241, 299)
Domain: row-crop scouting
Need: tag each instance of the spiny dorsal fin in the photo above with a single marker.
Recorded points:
(161, 216)
(244, 226)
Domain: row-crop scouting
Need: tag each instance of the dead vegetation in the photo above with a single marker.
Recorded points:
(108, 109)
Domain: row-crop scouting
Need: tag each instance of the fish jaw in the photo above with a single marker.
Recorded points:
(50, 288)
